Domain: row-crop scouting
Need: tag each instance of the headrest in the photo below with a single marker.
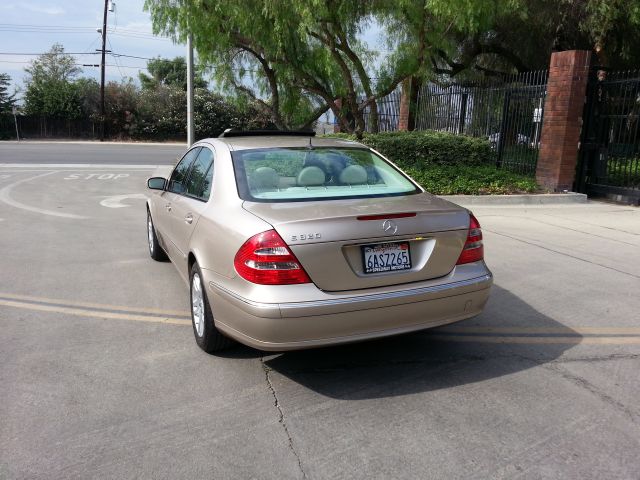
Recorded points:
(353, 175)
(265, 178)
(311, 176)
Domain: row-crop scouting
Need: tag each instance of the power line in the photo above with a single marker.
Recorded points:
(28, 28)
(22, 62)
(113, 54)
(49, 53)
(115, 59)
(77, 53)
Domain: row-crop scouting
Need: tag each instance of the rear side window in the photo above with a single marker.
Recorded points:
(199, 183)
(177, 182)
(302, 174)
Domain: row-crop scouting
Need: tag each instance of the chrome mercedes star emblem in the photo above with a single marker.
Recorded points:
(389, 227)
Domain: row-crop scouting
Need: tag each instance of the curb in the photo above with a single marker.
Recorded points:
(532, 199)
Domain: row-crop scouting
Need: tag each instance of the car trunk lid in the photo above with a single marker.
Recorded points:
(328, 237)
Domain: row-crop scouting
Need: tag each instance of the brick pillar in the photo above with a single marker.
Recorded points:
(405, 101)
(563, 109)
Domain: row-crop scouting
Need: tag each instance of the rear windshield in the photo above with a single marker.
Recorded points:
(302, 174)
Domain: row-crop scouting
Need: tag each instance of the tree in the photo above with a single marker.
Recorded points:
(55, 65)
(522, 39)
(50, 87)
(169, 73)
(297, 59)
(7, 101)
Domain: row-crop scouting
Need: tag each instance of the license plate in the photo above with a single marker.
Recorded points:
(386, 257)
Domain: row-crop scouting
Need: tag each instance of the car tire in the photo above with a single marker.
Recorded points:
(208, 337)
(155, 250)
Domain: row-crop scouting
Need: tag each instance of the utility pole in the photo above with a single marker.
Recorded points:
(190, 127)
(102, 66)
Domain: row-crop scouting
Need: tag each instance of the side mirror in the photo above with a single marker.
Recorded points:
(156, 183)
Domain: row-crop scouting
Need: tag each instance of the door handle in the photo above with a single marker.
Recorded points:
(189, 218)
(168, 207)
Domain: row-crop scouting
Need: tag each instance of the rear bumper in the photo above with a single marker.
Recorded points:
(343, 319)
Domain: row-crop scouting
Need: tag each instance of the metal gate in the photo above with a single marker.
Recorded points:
(609, 160)
(507, 112)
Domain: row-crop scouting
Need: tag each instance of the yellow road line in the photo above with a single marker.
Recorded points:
(94, 313)
(541, 340)
(571, 336)
(542, 330)
(178, 313)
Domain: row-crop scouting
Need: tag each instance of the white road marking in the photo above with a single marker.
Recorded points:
(116, 200)
(96, 176)
(6, 198)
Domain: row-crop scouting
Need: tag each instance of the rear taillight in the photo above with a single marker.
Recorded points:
(473, 250)
(265, 259)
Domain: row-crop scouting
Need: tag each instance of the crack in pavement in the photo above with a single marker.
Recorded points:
(281, 419)
(455, 360)
(598, 358)
(590, 387)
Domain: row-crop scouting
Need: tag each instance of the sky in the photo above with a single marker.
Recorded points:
(32, 26)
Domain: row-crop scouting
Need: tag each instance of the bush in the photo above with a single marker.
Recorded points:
(470, 180)
(408, 149)
(447, 164)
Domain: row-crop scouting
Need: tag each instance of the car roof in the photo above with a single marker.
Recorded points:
(293, 141)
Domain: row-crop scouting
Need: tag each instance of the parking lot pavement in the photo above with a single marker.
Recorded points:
(59, 152)
(100, 376)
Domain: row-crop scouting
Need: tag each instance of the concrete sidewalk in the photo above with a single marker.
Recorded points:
(524, 199)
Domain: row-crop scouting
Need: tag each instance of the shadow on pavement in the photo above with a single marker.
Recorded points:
(421, 362)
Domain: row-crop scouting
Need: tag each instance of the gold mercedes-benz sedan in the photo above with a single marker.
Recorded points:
(288, 241)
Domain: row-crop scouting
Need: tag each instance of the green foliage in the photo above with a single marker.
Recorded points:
(156, 111)
(470, 180)
(522, 39)
(409, 149)
(7, 101)
(447, 164)
(213, 114)
(161, 113)
(296, 58)
(171, 73)
(54, 65)
(624, 172)
(50, 87)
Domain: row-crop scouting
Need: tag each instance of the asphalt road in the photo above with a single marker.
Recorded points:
(100, 376)
(30, 152)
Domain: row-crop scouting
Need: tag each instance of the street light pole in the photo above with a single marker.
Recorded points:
(190, 127)
(102, 67)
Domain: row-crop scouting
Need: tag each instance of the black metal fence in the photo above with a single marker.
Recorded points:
(35, 126)
(610, 152)
(388, 113)
(508, 113)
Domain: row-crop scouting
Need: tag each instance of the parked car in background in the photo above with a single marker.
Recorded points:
(289, 241)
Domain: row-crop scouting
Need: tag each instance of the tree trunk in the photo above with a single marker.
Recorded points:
(374, 126)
